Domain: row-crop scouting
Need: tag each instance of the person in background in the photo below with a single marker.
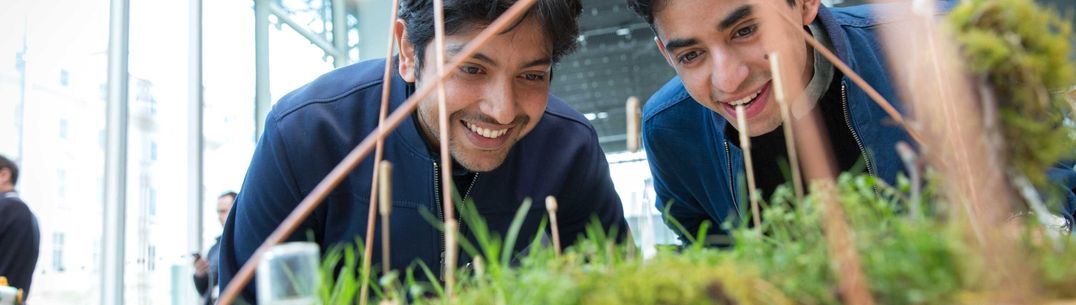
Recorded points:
(205, 268)
(20, 237)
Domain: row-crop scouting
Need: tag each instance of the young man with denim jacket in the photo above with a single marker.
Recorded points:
(509, 140)
(718, 52)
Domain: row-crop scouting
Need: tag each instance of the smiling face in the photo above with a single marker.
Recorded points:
(720, 54)
(493, 99)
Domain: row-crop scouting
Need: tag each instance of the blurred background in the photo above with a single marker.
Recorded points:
(54, 89)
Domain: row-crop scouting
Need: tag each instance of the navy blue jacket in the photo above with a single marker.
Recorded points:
(695, 167)
(20, 241)
(311, 129)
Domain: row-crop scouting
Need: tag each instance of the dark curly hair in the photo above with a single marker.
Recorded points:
(557, 18)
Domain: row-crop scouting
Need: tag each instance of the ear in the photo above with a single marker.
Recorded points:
(664, 53)
(5, 176)
(810, 10)
(408, 62)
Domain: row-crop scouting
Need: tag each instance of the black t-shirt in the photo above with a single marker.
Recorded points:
(769, 153)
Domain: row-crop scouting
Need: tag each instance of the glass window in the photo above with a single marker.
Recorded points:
(58, 251)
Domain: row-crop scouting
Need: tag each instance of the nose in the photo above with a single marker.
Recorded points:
(500, 103)
(728, 72)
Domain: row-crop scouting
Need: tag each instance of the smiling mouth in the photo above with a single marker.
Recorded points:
(486, 133)
(747, 100)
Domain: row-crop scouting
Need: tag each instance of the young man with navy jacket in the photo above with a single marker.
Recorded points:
(689, 126)
(509, 139)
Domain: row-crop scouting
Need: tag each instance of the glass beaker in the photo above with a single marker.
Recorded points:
(289, 274)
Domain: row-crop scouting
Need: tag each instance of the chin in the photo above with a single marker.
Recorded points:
(480, 162)
(763, 129)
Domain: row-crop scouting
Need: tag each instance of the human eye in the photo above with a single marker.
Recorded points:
(470, 70)
(745, 31)
(533, 76)
(688, 57)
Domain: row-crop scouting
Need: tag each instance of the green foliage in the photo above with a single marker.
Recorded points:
(1021, 52)
(908, 259)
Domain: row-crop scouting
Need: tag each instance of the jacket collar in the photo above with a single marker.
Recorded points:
(407, 131)
(838, 38)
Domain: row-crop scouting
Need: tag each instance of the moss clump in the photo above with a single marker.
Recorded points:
(1021, 51)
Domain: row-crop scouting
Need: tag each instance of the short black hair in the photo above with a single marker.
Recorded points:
(6, 163)
(646, 8)
(228, 194)
(556, 17)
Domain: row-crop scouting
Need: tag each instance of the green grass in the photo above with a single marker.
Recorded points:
(908, 259)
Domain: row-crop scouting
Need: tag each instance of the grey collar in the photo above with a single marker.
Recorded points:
(11, 194)
(823, 69)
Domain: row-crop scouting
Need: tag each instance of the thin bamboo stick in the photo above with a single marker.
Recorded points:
(959, 139)
(386, 214)
(820, 169)
(385, 207)
(551, 208)
(786, 116)
(840, 65)
(307, 206)
(634, 115)
(451, 227)
(871, 92)
(745, 145)
(386, 87)
(446, 157)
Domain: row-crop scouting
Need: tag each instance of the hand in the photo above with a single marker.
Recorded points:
(201, 267)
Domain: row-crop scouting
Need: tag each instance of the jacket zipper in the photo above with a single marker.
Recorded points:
(732, 192)
(848, 121)
(440, 215)
(440, 210)
(470, 187)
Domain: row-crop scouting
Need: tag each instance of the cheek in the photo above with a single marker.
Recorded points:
(459, 95)
(533, 101)
(697, 83)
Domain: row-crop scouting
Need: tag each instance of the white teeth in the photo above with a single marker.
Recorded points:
(492, 134)
(745, 100)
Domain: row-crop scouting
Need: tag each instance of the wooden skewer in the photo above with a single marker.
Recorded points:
(551, 207)
(790, 140)
(479, 267)
(871, 92)
(385, 205)
(307, 206)
(745, 144)
(634, 116)
(446, 157)
(386, 88)
(819, 167)
(451, 226)
(862, 84)
(960, 138)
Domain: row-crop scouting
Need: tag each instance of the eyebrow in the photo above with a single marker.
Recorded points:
(674, 44)
(739, 14)
(736, 15)
(455, 49)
